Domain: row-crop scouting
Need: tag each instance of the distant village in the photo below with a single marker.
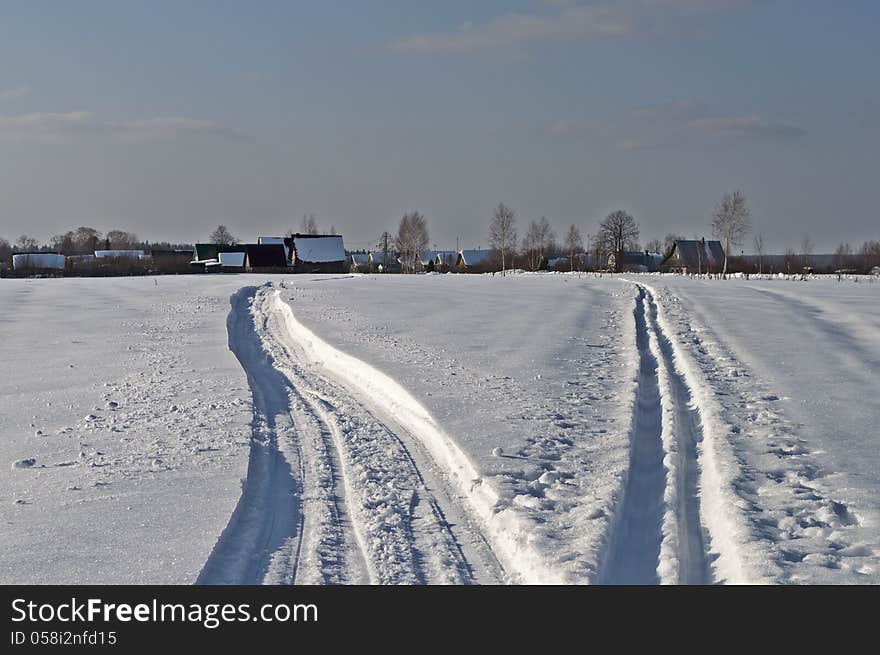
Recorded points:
(326, 253)
(614, 248)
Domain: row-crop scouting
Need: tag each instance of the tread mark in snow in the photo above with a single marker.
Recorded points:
(309, 510)
(687, 430)
(634, 546)
(267, 517)
(660, 508)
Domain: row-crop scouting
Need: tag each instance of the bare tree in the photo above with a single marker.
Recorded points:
(411, 240)
(618, 232)
(759, 250)
(121, 240)
(807, 249)
(870, 255)
(502, 234)
(309, 224)
(537, 242)
(654, 245)
(64, 243)
(573, 244)
(5, 249)
(789, 259)
(25, 243)
(842, 256)
(731, 222)
(223, 236)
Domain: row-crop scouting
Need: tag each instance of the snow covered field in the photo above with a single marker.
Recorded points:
(439, 429)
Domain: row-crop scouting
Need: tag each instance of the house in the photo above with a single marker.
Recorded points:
(640, 261)
(320, 253)
(211, 251)
(694, 256)
(472, 259)
(265, 257)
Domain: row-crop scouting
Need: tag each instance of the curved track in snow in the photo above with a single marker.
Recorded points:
(336, 492)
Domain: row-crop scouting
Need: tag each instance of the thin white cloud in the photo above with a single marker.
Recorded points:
(14, 93)
(66, 126)
(687, 122)
(562, 20)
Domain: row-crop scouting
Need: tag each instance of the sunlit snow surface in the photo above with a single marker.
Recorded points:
(141, 420)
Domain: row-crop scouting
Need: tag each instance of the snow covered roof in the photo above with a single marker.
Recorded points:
(472, 257)
(232, 259)
(133, 254)
(327, 248)
(267, 240)
(38, 260)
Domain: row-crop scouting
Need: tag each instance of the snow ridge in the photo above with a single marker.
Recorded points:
(332, 494)
(730, 545)
(506, 530)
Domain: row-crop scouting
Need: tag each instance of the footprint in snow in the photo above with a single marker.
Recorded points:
(24, 463)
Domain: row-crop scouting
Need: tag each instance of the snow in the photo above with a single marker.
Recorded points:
(793, 430)
(560, 428)
(319, 249)
(142, 345)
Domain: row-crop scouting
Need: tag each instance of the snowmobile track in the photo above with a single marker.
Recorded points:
(333, 493)
(657, 536)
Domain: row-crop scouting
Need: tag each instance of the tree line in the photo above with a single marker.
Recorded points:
(618, 232)
(83, 240)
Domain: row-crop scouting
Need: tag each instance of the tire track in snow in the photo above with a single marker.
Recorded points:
(634, 545)
(400, 525)
(290, 525)
(657, 536)
(682, 439)
(496, 541)
(333, 495)
(267, 520)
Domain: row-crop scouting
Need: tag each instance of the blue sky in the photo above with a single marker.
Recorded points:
(167, 118)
